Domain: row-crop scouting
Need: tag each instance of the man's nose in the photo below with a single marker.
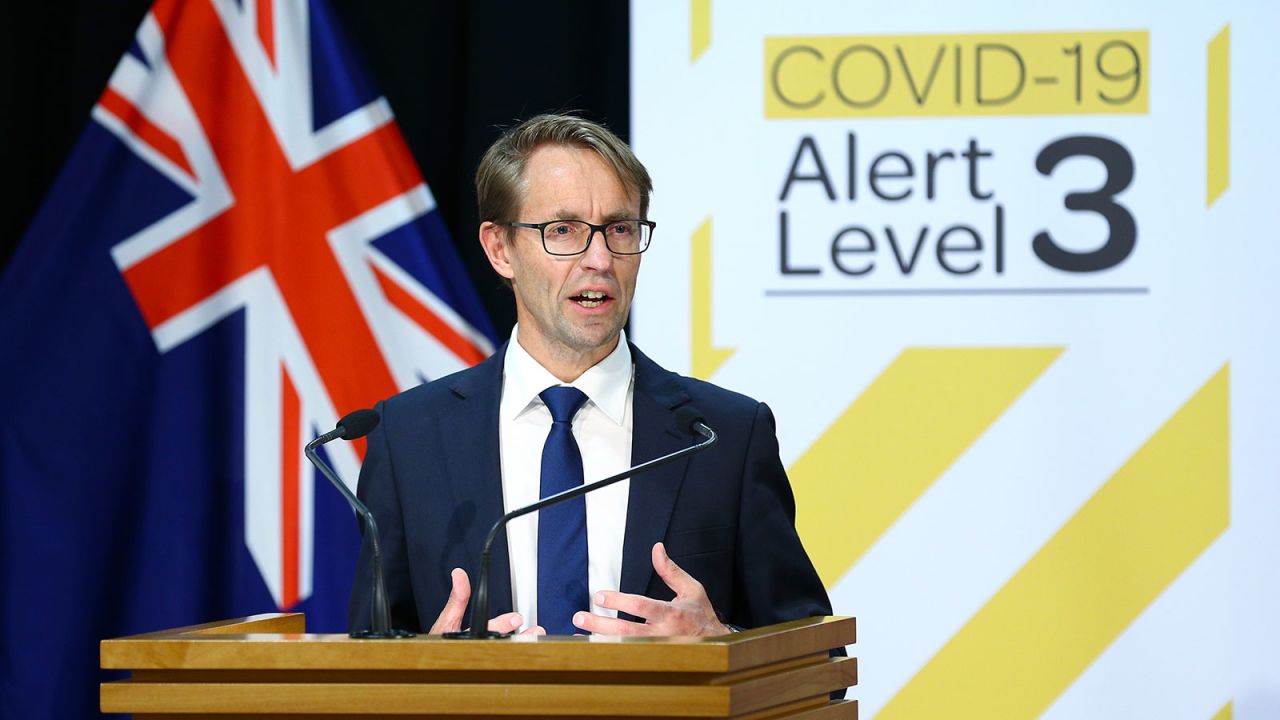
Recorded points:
(597, 255)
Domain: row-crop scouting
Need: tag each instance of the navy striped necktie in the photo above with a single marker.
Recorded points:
(562, 529)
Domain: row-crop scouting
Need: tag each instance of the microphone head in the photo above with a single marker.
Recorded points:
(686, 417)
(358, 424)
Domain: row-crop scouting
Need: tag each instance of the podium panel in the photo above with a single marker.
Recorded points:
(268, 666)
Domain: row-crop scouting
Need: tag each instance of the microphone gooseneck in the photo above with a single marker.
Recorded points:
(352, 426)
(688, 420)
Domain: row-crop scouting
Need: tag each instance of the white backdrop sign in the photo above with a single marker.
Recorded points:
(1007, 276)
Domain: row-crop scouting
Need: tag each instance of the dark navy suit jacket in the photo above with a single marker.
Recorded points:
(432, 478)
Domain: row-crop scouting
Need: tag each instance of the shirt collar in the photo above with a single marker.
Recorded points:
(606, 384)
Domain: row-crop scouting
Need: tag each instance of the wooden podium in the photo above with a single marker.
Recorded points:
(265, 665)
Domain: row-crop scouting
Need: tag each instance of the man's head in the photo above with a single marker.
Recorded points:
(558, 167)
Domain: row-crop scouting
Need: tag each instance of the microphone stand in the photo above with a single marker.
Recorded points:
(380, 608)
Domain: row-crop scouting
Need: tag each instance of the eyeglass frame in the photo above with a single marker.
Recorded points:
(542, 234)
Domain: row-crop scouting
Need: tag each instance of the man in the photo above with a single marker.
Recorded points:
(694, 548)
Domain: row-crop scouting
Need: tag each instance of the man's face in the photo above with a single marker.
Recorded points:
(563, 320)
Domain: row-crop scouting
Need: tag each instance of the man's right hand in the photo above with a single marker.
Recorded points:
(455, 608)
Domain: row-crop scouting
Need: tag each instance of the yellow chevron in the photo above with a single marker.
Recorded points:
(1218, 120)
(707, 358)
(1124, 546)
(699, 28)
(1224, 713)
(895, 439)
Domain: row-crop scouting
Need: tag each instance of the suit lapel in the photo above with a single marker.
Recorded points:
(652, 495)
(475, 472)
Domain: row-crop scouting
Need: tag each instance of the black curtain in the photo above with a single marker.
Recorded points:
(454, 72)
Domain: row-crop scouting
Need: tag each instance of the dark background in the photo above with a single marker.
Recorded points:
(454, 72)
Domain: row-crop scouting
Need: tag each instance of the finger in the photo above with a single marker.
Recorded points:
(635, 605)
(450, 618)
(680, 582)
(535, 630)
(506, 622)
(601, 625)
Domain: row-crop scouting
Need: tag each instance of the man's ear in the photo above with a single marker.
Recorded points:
(493, 238)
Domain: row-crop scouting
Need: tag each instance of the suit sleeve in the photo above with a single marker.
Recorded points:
(775, 579)
(377, 490)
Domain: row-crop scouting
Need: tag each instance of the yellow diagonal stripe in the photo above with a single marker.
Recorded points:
(1218, 125)
(707, 358)
(1224, 713)
(699, 28)
(896, 438)
(1145, 525)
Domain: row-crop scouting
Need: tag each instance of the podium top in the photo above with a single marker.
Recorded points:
(279, 641)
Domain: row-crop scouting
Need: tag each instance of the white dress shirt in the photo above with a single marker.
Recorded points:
(602, 429)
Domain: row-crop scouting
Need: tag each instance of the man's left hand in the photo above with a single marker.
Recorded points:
(690, 613)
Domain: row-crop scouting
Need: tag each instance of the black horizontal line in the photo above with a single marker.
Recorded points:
(835, 292)
(1042, 80)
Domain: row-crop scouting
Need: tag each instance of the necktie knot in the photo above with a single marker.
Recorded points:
(563, 402)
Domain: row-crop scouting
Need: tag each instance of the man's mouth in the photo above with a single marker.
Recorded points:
(590, 298)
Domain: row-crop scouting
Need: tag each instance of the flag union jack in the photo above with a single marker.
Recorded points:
(302, 208)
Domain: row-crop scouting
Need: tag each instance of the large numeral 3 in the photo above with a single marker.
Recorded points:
(1123, 233)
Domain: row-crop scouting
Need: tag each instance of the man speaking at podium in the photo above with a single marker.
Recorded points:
(695, 547)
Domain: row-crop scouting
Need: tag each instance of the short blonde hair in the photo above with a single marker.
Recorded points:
(500, 180)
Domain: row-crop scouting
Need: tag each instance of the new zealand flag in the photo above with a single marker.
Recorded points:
(239, 250)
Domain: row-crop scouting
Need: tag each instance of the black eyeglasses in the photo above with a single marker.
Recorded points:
(572, 237)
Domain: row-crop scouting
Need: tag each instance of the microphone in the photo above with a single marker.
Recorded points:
(356, 425)
(688, 422)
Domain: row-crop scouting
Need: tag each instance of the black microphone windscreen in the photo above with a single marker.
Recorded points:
(686, 416)
(358, 424)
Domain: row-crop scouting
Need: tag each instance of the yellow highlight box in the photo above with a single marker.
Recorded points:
(1052, 73)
